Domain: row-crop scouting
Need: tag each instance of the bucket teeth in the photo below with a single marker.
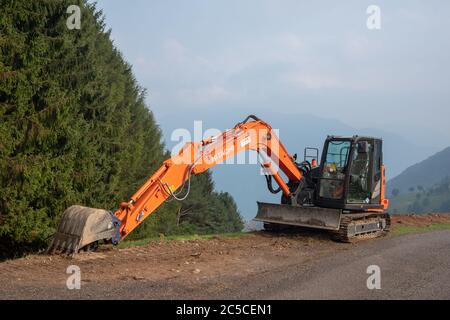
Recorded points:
(80, 226)
(61, 244)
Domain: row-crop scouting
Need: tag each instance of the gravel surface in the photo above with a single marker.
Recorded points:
(299, 265)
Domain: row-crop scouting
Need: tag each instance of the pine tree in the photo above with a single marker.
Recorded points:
(75, 129)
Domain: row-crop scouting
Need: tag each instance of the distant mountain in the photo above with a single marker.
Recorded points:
(425, 174)
(423, 200)
(297, 131)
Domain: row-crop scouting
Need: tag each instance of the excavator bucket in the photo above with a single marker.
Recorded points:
(81, 226)
(312, 217)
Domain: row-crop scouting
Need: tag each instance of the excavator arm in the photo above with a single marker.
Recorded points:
(197, 157)
(82, 226)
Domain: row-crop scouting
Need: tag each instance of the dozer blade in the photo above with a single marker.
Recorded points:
(312, 217)
(80, 226)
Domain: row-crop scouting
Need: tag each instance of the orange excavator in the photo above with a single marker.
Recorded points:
(345, 193)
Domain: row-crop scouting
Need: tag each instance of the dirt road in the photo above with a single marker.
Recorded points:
(256, 266)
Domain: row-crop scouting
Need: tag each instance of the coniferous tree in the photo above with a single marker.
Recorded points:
(74, 128)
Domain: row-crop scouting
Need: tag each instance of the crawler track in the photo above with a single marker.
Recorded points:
(353, 227)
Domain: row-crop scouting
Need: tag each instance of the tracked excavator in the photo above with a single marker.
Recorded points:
(343, 193)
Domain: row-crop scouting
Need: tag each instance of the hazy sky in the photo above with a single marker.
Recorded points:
(293, 56)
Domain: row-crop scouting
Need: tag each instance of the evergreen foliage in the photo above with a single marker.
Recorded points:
(74, 129)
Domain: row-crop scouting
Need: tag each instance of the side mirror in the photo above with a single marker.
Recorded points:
(363, 147)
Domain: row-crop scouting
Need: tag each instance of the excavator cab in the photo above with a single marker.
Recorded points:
(350, 174)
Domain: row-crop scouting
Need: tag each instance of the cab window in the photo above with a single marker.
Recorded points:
(333, 171)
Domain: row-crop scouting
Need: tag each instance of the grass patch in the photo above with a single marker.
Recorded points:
(402, 230)
(146, 241)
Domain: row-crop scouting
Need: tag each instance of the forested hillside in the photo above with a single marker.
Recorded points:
(423, 187)
(75, 129)
(424, 174)
(423, 200)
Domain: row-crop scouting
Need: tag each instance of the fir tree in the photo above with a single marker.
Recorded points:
(75, 129)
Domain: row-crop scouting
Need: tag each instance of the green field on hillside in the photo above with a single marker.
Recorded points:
(421, 200)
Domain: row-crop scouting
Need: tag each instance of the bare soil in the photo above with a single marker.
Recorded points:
(420, 220)
(176, 269)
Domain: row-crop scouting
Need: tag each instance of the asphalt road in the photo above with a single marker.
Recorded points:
(414, 266)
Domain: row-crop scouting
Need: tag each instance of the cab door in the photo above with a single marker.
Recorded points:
(376, 176)
(360, 181)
